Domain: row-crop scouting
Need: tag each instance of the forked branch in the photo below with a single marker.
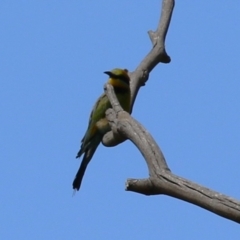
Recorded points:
(156, 55)
(161, 180)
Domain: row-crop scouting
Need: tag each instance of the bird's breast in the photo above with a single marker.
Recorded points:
(124, 98)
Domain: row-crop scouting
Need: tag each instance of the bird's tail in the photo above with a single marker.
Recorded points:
(86, 159)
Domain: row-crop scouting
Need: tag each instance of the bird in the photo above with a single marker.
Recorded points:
(98, 124)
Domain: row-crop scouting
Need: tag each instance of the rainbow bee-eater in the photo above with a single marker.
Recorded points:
(98, 125)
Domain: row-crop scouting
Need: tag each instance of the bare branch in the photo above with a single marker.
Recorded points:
(161, 180)
(169, 184)
(156, 55)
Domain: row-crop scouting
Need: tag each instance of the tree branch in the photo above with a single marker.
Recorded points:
(161, 180)
(156, 55)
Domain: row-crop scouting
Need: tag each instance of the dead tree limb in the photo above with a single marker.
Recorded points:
(156, 55)
(161, 180)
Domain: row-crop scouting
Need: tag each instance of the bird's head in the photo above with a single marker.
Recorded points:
(118, 78)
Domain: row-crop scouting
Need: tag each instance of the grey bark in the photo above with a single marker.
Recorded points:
(161, 180)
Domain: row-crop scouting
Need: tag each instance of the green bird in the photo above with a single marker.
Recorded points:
(98, 125)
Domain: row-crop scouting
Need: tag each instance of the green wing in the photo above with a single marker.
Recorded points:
(97, 114)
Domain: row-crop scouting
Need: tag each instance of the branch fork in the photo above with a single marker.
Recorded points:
(161, 180)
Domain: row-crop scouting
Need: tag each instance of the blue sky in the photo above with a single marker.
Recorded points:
(53, 55)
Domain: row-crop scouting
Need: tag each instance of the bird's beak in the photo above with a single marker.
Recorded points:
(108, 73)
